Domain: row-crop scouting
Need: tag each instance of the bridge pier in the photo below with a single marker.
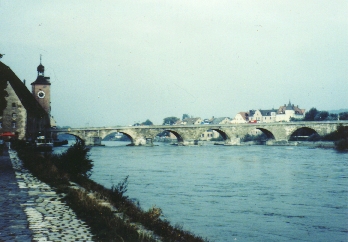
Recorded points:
(232, 141)
(277, 142)
(189, 142)
(149, 142)
(93, 141)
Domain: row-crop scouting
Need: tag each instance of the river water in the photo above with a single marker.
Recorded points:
(235, 193)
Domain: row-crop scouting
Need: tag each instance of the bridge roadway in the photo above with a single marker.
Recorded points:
(277, 133)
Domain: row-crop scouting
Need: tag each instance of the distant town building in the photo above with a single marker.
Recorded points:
(26, 114)
(222, 120)
(282, 114)
(241, 117)
(191, 121)
(209, 134)
(286, 112)
(264, 116)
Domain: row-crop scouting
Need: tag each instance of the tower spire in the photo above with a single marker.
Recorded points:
(40, 68)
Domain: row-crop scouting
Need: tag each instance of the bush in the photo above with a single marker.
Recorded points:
(259, 137)
(75, 160)
(119, 190)
(314, 137)
(341, 144)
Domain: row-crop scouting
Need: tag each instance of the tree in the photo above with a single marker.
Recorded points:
(332, 116)
(343, 116)
(170, 120)
(321, 116)
(147, 122)
(311, 114)
(185, 116)
(75, 160)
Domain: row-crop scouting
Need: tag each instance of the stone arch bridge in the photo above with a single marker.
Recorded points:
(277, 133)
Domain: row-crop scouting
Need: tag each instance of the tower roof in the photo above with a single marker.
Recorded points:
(40, 69)
(41, 79)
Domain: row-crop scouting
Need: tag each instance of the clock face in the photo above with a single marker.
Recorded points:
(41, 94)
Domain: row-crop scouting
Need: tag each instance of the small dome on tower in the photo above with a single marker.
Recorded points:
(40, 68)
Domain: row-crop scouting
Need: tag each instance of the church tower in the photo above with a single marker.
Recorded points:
(41, 89)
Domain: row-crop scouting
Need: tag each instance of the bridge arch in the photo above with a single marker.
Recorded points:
(177, 135)
(268, 133)
(130, 136)
(302, 133)
(72, 134)
(222, 133)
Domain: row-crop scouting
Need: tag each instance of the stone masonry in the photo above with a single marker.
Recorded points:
(31, 210)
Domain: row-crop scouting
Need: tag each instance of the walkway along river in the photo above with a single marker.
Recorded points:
(243, 193)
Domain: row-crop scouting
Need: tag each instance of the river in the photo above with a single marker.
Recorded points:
(235, 193)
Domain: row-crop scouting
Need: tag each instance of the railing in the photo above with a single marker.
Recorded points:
(209, 126)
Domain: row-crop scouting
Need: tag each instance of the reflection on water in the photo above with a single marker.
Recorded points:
(247, 193)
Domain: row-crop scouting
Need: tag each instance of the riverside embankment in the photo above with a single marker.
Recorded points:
(109, 215)
(31, 210)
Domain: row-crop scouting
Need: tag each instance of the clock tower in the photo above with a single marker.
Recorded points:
(41, 89)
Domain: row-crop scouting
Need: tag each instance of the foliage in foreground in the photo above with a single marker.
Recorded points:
(75, 160)
(339, 137)
(102, 221)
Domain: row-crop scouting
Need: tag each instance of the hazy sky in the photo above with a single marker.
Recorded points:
(121, 61)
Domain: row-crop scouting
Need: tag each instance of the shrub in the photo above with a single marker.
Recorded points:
(119, 190)
(314, 137)
(341, 144)
(75, 160)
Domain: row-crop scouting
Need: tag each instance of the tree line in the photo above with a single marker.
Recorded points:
(315, 115)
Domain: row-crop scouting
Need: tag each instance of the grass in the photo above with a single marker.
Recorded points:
(102, 220)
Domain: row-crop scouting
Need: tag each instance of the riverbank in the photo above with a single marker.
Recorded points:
(31, 210)
(110, 215)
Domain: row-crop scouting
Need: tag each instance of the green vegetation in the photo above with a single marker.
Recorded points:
(75, 160)
(185, 116)
(257, 138)
(170, 120)
(339, 137)
(315, 115)
(147, 122)
(103, 222)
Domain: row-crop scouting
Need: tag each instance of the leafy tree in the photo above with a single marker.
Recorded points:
(259, 137)
(75, 160)
(342, 142)
(170, 120)
(343, 116)
(321, 116)
(147, 122)
(332, 116)
(311, 114)
(185, 116)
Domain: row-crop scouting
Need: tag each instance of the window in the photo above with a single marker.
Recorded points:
(14, 105)
(13, 125)
(14, 115)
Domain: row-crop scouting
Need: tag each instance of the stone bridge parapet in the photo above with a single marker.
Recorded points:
(190, 134)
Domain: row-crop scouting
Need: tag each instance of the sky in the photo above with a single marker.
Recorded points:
(118, 62)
